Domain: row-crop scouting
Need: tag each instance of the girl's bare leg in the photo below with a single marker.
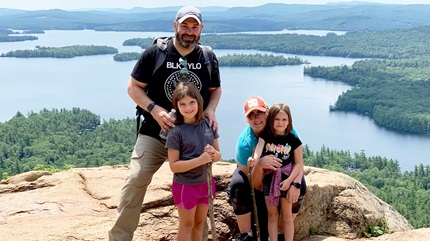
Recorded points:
(199, 222)
(272, 224)
(186, 223)
(281, 222)
(287, 219)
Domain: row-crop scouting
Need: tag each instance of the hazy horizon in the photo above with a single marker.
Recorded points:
(106, 4)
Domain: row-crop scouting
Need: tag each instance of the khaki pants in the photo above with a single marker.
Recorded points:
(147, 157)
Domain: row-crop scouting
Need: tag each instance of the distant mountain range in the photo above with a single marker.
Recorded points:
(352, 17)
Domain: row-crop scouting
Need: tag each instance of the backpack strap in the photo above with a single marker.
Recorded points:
(208, 56)
(160, 55)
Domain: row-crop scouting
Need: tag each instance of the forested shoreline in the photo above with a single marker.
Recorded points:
(234, 60)
(61, 52)
(394, 93)
(8, 38)
(60, 139)
(392, 86)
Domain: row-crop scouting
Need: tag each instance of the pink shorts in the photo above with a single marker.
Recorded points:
(190, 196)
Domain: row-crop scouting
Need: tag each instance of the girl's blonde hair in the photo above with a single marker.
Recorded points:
(187, 89)
(273, 111)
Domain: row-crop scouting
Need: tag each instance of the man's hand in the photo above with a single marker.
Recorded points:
(162, 117)
(210, 114)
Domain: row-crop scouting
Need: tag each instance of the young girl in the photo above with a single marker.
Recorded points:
(192, 145)
(278, 140)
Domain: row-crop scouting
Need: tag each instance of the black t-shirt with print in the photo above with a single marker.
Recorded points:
(160, 85)
(281, 146)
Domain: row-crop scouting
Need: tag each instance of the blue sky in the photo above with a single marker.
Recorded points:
(79, 4)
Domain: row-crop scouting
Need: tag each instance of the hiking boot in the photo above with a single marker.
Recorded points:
(243, 237)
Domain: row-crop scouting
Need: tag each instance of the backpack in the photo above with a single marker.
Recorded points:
(160, 57)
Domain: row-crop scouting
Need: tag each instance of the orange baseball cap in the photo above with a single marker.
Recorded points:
(254, 103)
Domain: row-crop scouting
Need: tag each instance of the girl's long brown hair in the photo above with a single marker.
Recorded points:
(273, 111)
(187, 89)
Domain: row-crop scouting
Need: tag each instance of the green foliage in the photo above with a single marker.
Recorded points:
(121, 57)
(142, 42)
(312, 231)
(258, 60)
(61, 52)
(384, 225)
(59, 138)
(408, 193)
(41, 167)
(5, 176)
(234, 59)
(8, 38)
(388, 44)
(395, 93)
(375, 231)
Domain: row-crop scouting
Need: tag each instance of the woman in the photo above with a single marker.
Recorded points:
(240, 193)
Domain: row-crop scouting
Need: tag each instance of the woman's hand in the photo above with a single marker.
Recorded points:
(293, 194)
(251, 162)
(269, 162)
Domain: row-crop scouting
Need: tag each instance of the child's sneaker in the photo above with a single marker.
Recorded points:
(281, 236)
(243, 237)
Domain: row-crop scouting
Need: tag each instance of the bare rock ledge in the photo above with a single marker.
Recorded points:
(80, 204)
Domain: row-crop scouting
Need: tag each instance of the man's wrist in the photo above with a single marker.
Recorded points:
(209, 109)
(150, 107)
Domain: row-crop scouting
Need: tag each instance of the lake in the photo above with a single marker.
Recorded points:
(99, 84)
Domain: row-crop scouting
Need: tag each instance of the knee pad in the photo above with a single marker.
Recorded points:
(241, 199)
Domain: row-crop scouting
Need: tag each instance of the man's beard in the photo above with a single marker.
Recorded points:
(187, 44)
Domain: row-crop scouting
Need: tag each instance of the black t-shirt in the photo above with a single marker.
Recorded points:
(160, 85)
(281, 146)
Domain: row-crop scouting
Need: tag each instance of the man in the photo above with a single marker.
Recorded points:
(152, 91)
(240, 193)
